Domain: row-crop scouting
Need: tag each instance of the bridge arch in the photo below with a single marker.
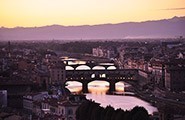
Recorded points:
(112, 76)
(98, 67)
(98, 83)
(111, 68)
(93, 76)
(120, 86)
(69, 68)
(74, 86)
(98, 87)
(100, 75)
(83, 67)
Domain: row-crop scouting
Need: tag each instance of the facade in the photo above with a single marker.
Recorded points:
(156, 67)
(103, 52)
(144, 74)
(175, 75)
(63, 108)
(42, 78)
(29, 99)
(57, 73)
(51, 57)
(3, 98)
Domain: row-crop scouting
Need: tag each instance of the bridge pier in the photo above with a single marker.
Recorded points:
(85, 87)
(112, 86)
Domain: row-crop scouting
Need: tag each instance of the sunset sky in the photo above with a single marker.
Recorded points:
(30, 13)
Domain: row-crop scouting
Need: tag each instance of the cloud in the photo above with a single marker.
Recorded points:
(174, 8)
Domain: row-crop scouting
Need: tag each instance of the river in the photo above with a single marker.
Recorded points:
(97, 92)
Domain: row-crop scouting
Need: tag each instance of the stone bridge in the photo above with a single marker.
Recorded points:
(111, 76)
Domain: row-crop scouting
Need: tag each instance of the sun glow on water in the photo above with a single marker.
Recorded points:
(95, 87)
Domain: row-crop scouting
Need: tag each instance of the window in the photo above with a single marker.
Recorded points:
(62, 111)
(70, 112)
(52, 110)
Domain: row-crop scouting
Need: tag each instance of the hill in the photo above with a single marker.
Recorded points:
(149, 29)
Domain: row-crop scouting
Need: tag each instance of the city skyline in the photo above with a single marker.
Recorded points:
(33, 13)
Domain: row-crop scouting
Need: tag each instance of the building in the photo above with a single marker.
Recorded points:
(175, 75)
(63, 108)
(104, 52)
(98, 52)
(10, 116)
(41, 77)
(30, 98)
(51, 57)
(16, 89)
(3, 98)
(57, 73)
(156, 67)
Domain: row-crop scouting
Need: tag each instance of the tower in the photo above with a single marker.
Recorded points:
(9, 49)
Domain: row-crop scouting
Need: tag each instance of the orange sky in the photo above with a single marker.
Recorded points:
(29, 13)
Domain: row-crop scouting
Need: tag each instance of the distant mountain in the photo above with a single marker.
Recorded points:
(149, 29)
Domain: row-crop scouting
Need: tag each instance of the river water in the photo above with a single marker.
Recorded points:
(97, 92)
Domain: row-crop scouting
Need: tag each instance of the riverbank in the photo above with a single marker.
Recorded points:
(140, 96)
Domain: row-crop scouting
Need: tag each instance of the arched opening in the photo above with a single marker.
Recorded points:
(72, 63)
(102, 76)
(98, 68)
(111, 68)
(83, 67)
(74, 86)
(98, 76)
(80, 62)
(120, 87)
(44, 84)
(93, 76)
(69, 68)
(98, 87)
(106, 64)
(70, 111)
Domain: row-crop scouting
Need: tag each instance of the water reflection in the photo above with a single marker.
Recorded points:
(98, 87)
(98, 90)
(74, 87)
(95, 87)
(120, 87)
(123, 102)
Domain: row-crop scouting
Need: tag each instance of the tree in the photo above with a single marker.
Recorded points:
(139, 113)
(96, 113)
(119, 114)
(89, 110)
(109, 110)
(81, 112)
